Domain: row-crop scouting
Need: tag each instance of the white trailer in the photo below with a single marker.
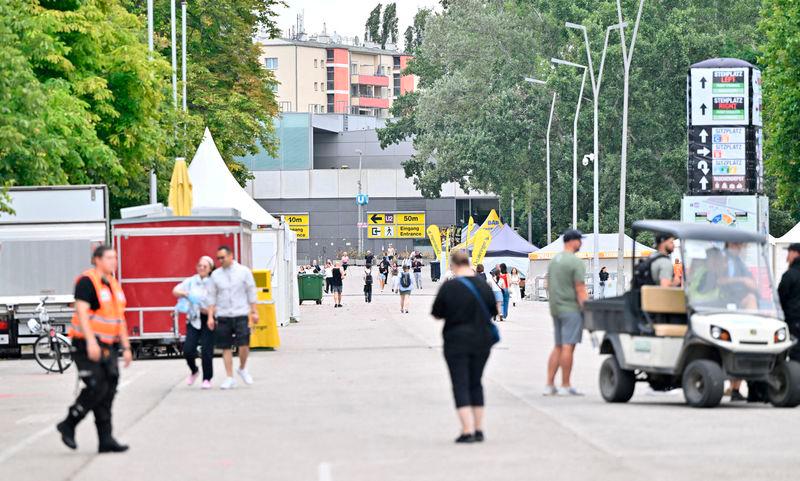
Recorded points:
(44, 245)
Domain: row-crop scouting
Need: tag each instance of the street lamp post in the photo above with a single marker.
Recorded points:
(547, 162)
(575, 141)
(360, 207)
(153, 180)
(627, 55)
(595, 96)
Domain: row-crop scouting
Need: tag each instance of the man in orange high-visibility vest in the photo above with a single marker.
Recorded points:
(98, 331)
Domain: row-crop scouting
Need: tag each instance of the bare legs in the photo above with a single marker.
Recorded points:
(227, 359)
(560, 357)
(471, 418)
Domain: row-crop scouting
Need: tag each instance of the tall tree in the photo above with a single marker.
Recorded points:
(389, 28)
(780, 24)
(372, 31)
(81, 101)
(416, 31)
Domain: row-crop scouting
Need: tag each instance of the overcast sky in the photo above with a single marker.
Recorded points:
(345, 17)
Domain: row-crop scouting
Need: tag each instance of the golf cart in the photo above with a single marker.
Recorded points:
(724, 323)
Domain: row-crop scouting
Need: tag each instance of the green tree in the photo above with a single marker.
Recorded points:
(81, 101)
(228, 90)
(389, 29)
(415, 32)
(780, 24)
(372, 31)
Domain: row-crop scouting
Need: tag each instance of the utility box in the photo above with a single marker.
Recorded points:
(265, 333)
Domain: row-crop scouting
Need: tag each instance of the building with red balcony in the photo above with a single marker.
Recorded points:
(323, 76)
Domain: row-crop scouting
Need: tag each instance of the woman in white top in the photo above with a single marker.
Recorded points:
(514, 279)
(192, 300)
(328, 275)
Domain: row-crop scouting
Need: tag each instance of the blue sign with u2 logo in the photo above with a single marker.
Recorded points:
(362, 199)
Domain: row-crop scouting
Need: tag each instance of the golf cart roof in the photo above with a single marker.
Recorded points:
(708, 232)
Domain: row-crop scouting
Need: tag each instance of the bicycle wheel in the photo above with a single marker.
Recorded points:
(53, 356)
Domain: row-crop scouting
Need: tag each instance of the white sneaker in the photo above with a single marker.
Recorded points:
(228, 383)
(246, 377)
(549, 391)
(569, 391)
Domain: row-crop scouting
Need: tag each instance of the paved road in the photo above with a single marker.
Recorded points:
(361, 393)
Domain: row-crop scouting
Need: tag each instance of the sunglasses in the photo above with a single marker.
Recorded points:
(221, 258)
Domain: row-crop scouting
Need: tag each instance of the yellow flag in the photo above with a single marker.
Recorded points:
(492, 221)
(470, 226)
(436, 240)
(480, 245)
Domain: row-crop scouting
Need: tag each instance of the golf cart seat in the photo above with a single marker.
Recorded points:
(666, 307)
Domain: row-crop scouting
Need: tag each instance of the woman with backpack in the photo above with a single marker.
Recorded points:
(466, 304)
(368, 279)
(505, 284)
(405, 285)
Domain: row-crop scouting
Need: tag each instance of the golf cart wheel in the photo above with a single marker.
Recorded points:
(703, 383)
(616, 384)
(784, 385)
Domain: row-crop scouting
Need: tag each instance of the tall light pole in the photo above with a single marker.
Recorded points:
(627, 55)
(547, 162)
(183, 55)
(574, 140)
(595, 95)
(153, 180)
(360, 207)
(174, 55)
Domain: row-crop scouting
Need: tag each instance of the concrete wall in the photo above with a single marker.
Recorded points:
(332, 151)
(333, 222)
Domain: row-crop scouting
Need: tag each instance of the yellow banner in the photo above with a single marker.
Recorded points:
(435, 236)
(412, 218)
(480, 245)
(470, 226)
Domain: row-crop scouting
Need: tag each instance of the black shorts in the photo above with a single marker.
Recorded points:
(231, 331)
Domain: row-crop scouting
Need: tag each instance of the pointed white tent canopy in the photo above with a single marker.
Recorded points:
(214, 185)
(779, 248)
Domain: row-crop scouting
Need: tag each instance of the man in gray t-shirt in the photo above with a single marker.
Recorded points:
(661, 269)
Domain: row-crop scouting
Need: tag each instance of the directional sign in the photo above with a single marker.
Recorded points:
(299, 224)
(720, 96)
(396, 225)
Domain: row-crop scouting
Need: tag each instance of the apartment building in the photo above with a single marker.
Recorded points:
(320, 76)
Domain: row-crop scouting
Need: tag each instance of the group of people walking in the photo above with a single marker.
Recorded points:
(220, 308)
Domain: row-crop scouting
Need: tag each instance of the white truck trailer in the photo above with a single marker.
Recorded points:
(44, 245)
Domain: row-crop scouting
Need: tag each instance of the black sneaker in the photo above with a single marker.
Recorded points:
(465, 438)
(67, 434)
(736, 396)
(478, 436)
(112, 446)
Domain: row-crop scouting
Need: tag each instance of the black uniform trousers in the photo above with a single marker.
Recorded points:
(100, 386)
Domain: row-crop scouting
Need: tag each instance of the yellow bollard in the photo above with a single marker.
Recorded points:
(264, 335)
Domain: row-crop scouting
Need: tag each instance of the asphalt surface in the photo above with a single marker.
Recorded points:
(362, 393)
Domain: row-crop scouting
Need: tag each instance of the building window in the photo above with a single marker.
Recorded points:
(315, 63)
(354, 68)
(396, 62)
(396, 78)
(322, 63)
(330, 103)
(329, 54)
(330, 78)
(315, 86)
(271, 63)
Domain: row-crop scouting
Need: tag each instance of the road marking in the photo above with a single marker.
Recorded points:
(130, 380)
(8, 453)
(325, 472)
(38, 418)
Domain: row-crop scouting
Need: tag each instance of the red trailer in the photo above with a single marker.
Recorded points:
(158, 252)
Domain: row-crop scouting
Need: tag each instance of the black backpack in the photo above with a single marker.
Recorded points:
(642, 274)
(405, 280)
(368, 280)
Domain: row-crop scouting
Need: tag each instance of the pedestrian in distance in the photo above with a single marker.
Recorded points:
(369, 259)
(416, 265)
(405, 285)
(514, 279)
(232, 312)
(391, 252)
(192, 296)
(504, 283)
(789, 294)
(368, 280)
(345, 260)
(566, 296)
(383, 271)
(337, 283)
(467, 305)
(604, 275)
(395, 279)
(328, 275)
(496, 292)
(98, 331)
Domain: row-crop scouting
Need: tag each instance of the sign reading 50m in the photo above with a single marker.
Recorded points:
(396, 225)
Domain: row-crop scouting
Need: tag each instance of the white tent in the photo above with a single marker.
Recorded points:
(779, 248)
(213, 185)
(274, 246)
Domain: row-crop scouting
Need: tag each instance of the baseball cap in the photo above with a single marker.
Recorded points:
(572, 234)
(795, 247)
(662, 236)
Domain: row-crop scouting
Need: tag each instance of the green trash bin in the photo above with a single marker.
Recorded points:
(310, 287)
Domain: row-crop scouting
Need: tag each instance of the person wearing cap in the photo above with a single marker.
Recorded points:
(789, 294)
(661, 269)
(566, 286)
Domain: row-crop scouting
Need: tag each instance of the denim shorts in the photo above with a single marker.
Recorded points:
(568, 328)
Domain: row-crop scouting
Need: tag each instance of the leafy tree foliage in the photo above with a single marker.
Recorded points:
(372, 30)
(416, 32)
(389, 25)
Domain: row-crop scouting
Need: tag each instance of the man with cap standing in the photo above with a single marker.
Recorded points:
(566, 294)
(789, 294)
(661, 269)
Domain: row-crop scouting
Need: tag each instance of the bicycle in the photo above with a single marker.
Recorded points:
(52, 350)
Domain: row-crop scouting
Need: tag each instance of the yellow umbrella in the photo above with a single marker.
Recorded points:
(180, 189)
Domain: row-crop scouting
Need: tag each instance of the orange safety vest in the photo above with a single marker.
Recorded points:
(106, 321)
